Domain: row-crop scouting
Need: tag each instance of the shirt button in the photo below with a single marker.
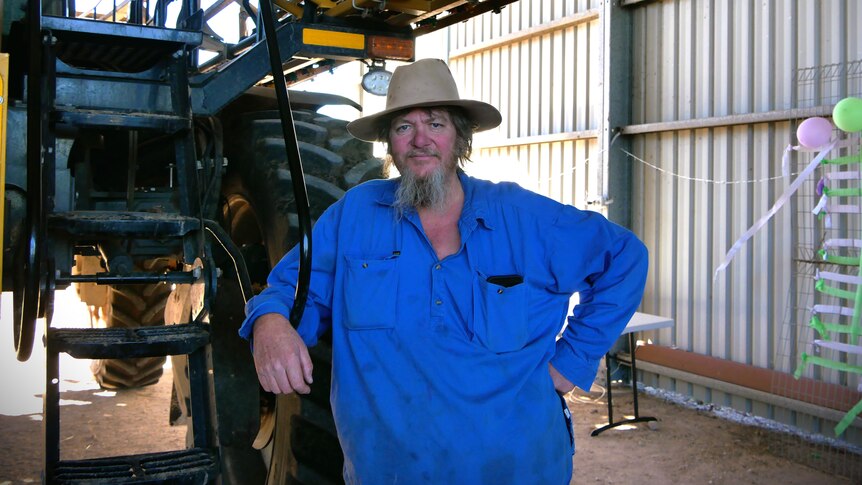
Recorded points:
(438, 302)
(438, 267)
(500, 291)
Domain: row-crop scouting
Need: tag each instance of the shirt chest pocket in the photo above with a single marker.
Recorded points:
(370, 292)
(500, 315)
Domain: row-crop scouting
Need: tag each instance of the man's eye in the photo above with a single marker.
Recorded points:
(436, 125)
(402, 128)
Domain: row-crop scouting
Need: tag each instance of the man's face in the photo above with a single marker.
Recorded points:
(422, 141)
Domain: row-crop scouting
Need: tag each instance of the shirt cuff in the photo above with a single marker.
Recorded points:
(578, 371)
(307, 325)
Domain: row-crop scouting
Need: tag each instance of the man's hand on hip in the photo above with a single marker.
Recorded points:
(561, 384)
(280, 356)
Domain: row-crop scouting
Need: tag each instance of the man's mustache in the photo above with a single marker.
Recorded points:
(423, 153)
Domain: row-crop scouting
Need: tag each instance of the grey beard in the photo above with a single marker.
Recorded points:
(420, 193)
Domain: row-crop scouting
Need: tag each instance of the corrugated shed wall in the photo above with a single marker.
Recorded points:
(718, 88)
(698, 186)
(536, 61)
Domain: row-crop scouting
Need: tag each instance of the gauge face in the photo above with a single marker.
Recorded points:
(376, 82)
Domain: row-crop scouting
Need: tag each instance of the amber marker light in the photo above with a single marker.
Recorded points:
(400, 49)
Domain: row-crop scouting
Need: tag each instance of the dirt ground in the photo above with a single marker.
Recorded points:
(685, 446)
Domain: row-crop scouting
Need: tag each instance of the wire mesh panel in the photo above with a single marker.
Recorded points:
(819, 351)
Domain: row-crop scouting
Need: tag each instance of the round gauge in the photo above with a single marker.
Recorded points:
(376, 81)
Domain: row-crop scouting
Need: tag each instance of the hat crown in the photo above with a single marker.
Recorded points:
(427, 83)
(424, 81)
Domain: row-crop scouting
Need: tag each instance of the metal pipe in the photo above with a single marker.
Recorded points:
(177, 277)
(532, 140)
(723, 121)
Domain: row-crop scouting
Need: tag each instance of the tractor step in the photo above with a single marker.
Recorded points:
(115, 46)
(163, 122)
(116, 343)
(151, 225)
(195, 465)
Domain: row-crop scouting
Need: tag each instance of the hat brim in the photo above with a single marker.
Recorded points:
(483, 115)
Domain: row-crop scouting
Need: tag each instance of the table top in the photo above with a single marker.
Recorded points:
(644, 321)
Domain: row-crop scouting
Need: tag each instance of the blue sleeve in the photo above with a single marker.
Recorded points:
(278, 296)
(607, 265)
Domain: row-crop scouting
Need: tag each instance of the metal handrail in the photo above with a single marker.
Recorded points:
(294, 160)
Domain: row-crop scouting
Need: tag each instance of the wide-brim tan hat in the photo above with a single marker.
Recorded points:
(425, 83)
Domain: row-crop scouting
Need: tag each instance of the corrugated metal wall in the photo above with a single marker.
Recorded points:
(536, 61)
(729, 59)
(718, 88)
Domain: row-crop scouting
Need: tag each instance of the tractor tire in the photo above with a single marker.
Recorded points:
(94, 296)
(259, 213)
(133, 306)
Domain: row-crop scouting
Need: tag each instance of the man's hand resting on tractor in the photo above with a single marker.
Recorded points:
(280, 356)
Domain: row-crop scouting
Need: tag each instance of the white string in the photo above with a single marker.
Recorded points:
(699, 179)
(574, 167)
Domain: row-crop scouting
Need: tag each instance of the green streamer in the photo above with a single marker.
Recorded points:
(835, 259)
(823, 329)
(823, 362)
(819, 327)
(857, 307)
(849, 159)
(848, 418)
(846, 192)
(821, 286)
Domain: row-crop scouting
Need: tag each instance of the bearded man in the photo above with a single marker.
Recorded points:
(445, 295)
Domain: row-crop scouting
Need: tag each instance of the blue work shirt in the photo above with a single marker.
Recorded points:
(440, 367)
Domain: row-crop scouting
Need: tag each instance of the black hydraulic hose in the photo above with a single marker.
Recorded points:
(292, 148)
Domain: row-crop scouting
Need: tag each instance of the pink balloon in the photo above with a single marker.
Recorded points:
(814, 132)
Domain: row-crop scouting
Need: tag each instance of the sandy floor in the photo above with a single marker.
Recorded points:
(685, 446)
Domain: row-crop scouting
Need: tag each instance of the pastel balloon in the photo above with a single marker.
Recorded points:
(847, 114)
(814, 132)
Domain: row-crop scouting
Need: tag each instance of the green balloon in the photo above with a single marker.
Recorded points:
(847, 115)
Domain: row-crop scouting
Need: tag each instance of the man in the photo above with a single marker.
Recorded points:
(445, 295)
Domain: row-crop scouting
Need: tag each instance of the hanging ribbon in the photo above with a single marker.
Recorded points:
(822, 287)
(842, 243)
(833, 309)
(806, 359)
(775, 208)
(840, 278)
(837, 259)
(848, 419)
(839, 366)
(842, 209)
(845, 160)
(846, 175)
(839, 346)
(842, 192)
(823, 329)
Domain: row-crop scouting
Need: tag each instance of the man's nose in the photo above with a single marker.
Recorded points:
(420, 137)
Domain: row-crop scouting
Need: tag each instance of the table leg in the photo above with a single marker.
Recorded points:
(637, 418)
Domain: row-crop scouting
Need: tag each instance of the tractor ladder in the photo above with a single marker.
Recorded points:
(74, 65)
